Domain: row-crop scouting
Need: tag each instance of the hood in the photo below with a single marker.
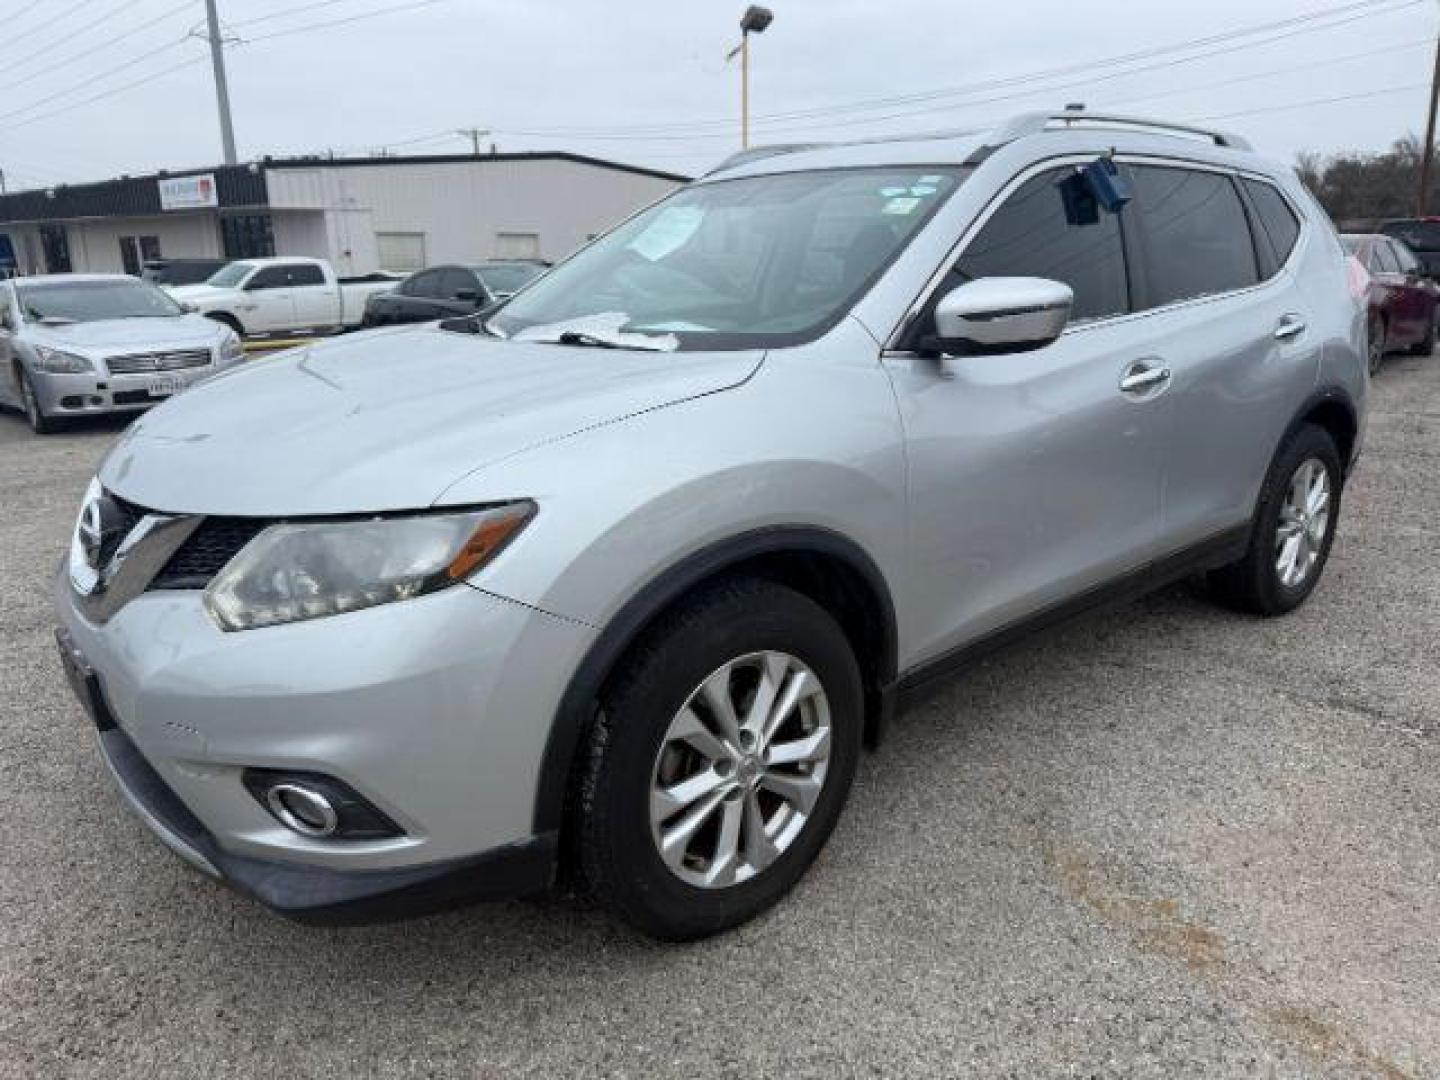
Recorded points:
(199, 294)
(387, 421)
(110, 336)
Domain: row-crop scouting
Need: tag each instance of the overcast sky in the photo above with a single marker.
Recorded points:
(646, 81)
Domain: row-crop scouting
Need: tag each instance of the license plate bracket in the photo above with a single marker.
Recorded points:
(165, 386)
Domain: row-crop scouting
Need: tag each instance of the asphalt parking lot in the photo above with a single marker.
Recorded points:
(1166, 841)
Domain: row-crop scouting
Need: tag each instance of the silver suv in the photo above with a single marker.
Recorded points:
(615, 582)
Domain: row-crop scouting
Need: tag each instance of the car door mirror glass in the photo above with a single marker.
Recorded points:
(999, 315)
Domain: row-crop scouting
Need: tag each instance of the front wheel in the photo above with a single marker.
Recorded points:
(1426, 345)
(721, 759)
(1375, 345)
(39, 422)
(1293, 529)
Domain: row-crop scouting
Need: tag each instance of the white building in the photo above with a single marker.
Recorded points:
(363, 214)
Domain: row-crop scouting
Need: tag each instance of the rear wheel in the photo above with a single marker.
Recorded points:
(721, 760)
(1293, 529)
(1375, 348)
(1426, 345)
(39, 422)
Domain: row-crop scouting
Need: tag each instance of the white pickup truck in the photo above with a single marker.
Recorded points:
(283, 294)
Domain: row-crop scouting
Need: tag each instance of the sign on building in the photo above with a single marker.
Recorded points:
(188, 192)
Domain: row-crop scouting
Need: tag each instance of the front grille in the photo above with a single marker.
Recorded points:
(210, 547)
(151, 362)
(127, 516)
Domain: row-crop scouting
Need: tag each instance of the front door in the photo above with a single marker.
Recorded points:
(1032, 477)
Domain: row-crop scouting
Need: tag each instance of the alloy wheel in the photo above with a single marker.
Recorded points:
(1304, 523)
(740, 769)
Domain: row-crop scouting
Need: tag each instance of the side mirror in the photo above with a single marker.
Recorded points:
(470, 295)
(994, 316)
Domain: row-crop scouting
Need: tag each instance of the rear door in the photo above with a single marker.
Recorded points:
(317, 300)
(1224, 313)
(1032, 477)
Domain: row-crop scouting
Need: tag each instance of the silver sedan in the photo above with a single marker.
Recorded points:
(81, 344)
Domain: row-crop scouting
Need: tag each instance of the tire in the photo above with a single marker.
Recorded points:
(1426, 345)
(1256, 583)
(1375, 345)
(634, 752)
(39, 423)
(229, 320)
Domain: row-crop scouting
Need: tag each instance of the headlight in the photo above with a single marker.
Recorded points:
(231, 350)
(59, 362)
(305, 571)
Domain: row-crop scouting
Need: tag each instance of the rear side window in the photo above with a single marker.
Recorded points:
(1382, 260)
(1031, 236)
(1407, 261)
(455, 281)
(306, 274)
(1197, 240)
(426, 284)
(1276, 218)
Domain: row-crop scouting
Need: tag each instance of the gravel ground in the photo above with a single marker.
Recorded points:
(1168, 841)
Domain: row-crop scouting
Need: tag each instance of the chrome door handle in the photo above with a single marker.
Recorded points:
(1139, 377)
(1291, 326)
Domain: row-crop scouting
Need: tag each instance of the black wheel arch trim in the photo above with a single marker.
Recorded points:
(577, 707)
(1326, 396)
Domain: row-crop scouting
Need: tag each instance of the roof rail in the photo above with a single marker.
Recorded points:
(759, 153)
(1034, 123)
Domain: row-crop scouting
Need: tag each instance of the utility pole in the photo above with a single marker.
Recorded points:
(754, 21)
(474, 134)
(1422, 198)
(222, 88)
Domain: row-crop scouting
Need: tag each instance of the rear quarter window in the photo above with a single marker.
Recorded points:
(1277, 219)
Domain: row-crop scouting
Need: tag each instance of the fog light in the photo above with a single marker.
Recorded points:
(307, 812)
(318, 806)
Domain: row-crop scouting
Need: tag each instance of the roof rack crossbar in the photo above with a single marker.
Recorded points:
(1036, 122)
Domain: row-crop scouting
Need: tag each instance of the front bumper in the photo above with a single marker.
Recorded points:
(435, 709)
(92, 394)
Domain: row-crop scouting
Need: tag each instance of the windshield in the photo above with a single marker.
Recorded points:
(1420, 235)
(90, 301)
(227, 277)
(751, 263)
(504, 280)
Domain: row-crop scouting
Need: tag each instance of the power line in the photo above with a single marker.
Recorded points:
(289, 13)
(359, 18)
(36, 29)
(59, 63)
(92, 80)
(1315, 101)
(1290, 27)
(106, 93)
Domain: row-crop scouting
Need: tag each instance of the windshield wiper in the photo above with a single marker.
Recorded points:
(579, 337)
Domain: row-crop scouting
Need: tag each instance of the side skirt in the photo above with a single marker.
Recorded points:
(1211, 554)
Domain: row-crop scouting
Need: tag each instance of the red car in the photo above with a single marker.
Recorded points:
(1402, 301)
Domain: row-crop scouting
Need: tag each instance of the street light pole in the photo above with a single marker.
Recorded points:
(754, 21)
(222, 88)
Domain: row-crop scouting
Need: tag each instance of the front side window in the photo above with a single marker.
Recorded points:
(1033, 235)
(228, 277)
(1382, 261)
(1197, 239)
(757, 262)
(91, 301)
(269, 277)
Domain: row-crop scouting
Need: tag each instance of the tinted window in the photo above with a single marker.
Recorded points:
(91, 301)
(426, 284)
(455, 281)
(1276, 218)
(1382, 260)
(1420, 235)
(1031, 236)
(1197, 239)
(268, 277)
(508, 278)
(306, 274)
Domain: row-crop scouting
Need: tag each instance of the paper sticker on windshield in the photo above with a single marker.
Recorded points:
(893, 192)
(901, 206)
(668, 232)
(923, 189)
(929, 180)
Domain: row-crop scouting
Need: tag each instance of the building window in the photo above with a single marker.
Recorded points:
(136, 251)
(400, 252)
(247, 236)
(517, 245)
(56, 246)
